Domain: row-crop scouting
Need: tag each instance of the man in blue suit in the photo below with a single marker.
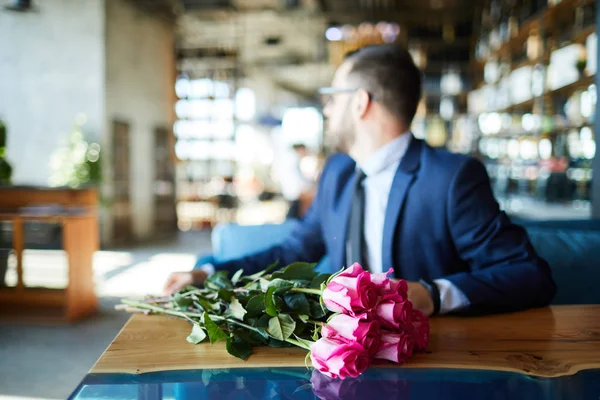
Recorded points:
(390, 200)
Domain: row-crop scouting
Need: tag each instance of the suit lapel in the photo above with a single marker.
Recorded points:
(404, 177)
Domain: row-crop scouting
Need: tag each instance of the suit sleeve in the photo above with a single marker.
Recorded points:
(305, 243)
(506, 274)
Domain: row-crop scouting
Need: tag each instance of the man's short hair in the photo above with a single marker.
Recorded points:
(388, 73)
(299, 146)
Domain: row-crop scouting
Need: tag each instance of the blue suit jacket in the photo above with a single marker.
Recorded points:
(442, 221)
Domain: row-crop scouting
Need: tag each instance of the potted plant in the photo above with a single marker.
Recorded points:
(5, 179)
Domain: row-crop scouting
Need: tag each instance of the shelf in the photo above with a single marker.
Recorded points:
(555, 131)
(580, 84)
(565, 90)
(462, 96)
(545, 18)
(579, 37)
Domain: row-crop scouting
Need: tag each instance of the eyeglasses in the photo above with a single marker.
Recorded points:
(328, 92)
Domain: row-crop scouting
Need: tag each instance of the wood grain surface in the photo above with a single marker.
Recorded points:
(546, 342)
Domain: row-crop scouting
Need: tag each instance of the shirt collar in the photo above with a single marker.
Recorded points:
(389, 154)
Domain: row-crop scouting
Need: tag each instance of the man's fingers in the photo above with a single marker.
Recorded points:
(170, 285)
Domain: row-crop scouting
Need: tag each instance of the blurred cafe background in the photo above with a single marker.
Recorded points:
(129, 129)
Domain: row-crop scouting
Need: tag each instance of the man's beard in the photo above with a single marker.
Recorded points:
(340, 140)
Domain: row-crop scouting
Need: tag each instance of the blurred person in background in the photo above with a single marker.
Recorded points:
(294, 183)
(389, 200)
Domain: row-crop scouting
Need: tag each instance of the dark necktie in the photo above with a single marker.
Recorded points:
(356, 251)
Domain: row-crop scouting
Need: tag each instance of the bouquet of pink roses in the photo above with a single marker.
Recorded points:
(345, 320)
(374, 320)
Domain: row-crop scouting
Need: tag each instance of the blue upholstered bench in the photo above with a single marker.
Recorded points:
(571, 247)
(231, 241)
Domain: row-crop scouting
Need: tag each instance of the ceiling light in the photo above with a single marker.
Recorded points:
(334, 34)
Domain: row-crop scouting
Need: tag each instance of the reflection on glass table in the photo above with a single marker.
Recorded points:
(301, 383)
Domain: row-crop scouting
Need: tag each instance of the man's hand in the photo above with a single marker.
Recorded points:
(420, 298)
(179, 280)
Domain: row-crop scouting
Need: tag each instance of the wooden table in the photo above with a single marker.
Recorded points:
(547, 342)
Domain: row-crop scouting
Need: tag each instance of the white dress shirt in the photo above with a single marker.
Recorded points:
(380, 170)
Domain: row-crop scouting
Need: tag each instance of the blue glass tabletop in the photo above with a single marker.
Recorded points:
(301, 383)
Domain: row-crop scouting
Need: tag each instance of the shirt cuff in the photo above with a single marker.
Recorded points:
(208, 268)
(451, 297)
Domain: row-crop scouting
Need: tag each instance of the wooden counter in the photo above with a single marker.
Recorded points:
(546, 342)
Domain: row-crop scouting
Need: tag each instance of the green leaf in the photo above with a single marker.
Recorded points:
(189, 288)
(236, 309)
(301, 283)
(270, 307)
(183, 302)
(225, 295)
(281, 285)
(306, 387)
(279, 303)
(303, 318)
(281, 327)
(252, 337)
(316, 311)
(298, 270)
(215, 333)
(242, 297)
(236, 277)
(206, 375)
(263, 283)
(263, 321)
(272, 266)
(197, 336)
(254, 285)
(300, 328)
(305, 342)
(316, 332)
(238, 348)
(256, 305)
(218, 280)
(297, 302)
(318, 280)
(207, 305)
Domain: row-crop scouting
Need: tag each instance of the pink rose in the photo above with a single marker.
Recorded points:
(389, 384)
(357, 329)
(394, 312)
(396, 347)
(326, 388)
(339, 358)
(386, 285)
(351, 292)
(420, 330)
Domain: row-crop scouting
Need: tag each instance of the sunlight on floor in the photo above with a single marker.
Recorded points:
(141, 278)
(117, 273)
(41, 268)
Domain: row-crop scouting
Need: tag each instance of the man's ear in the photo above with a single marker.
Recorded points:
(363, 102)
